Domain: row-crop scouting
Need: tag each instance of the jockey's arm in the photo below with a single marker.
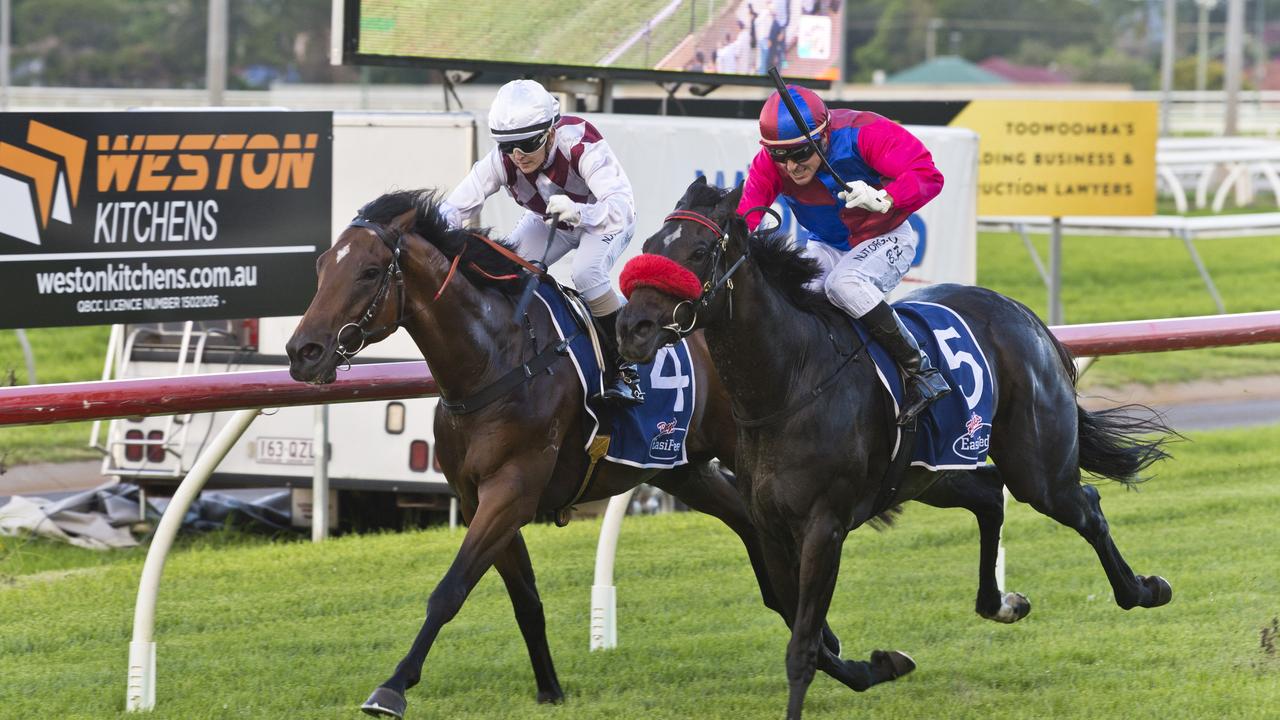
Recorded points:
(760, 189)
(615, 207)
(898, 155)
(467, 199)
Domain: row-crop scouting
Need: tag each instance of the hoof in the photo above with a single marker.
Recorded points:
(385, 702)
(550, 698)
(1160, 589)
(1013, 607)
(889, 665)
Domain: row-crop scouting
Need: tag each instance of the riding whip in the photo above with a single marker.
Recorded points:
(804, 126)
(531, 283)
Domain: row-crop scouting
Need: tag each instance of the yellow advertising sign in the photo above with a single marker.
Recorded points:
(1062, 158)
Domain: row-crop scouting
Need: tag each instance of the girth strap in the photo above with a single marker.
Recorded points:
(598, 449)
(894, 473)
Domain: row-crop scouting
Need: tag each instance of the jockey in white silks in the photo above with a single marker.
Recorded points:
(560, 170)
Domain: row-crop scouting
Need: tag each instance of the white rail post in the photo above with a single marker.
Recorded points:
(604, 596)
(141, 694)
(1004, 499)
(320, 476)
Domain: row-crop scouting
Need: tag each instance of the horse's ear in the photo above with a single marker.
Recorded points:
(404, 221)
(686, 201)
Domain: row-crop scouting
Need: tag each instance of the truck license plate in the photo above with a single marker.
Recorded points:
(285, 451)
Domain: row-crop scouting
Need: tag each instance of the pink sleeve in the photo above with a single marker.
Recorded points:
(761, 188)
(899, 156)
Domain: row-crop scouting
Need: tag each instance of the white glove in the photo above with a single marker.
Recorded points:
(862, 195)
(452, 215)
(564, 210)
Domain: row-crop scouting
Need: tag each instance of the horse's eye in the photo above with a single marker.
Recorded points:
(698, 255)
(371, 273)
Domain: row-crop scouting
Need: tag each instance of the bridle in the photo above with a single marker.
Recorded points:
(393, 239)
(712, 285)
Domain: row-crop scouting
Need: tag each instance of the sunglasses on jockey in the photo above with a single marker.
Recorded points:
(796, 154)
(528, 146)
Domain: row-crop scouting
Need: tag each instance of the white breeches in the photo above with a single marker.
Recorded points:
(591, 264)
(857, 280)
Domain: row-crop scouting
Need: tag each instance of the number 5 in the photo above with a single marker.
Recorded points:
(956, 359)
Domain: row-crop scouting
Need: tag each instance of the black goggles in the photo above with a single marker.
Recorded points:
(798, 154)
(528, 146)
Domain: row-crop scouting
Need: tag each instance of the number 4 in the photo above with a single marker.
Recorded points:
(956, 359)
(677, 381)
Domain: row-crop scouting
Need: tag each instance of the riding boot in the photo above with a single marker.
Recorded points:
(624, 387)
(924, 384)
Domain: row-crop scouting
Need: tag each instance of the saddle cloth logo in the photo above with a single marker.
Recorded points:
(955, 432)
(651, 435)
(43, 180)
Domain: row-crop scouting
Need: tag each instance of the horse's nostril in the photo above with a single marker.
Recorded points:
(311, 352)
(643, 329)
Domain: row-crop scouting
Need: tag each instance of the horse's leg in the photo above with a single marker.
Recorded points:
(819, 567)
(706, 489)
(782, 563)
(517, 573)
(981, 492)
(1044, 473)
(503, 507)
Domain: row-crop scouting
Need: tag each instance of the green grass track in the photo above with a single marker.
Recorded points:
(253, 629)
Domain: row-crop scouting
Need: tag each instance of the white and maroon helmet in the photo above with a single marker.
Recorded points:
(522, 109)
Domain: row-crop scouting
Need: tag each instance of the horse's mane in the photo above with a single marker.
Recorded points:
(481, 263)
(787, 269)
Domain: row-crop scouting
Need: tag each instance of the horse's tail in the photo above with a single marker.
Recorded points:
(1115, 443)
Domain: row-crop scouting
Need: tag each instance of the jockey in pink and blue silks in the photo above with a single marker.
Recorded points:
(860, 240)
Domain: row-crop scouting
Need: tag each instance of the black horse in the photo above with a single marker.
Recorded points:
(815, 430)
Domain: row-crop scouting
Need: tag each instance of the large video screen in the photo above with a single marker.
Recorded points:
(698, 40)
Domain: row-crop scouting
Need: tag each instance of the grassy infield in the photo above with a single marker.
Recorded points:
(288, 629)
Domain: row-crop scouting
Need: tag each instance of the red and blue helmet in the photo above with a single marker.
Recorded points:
(779, 128)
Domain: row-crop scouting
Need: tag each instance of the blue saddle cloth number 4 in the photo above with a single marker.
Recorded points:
(653, 434)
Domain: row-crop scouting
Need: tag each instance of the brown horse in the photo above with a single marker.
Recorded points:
(510, 430)
(815, 429)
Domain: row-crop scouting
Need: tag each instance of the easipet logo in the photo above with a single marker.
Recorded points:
(976, 439)
(40, 181)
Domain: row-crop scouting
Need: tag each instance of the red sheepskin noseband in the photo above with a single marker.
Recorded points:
(662, 274)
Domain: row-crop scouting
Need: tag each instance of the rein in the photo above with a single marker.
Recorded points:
(498, 248)
(794, 406)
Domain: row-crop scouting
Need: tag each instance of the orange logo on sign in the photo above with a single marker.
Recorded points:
(161, 163)
(49, 187)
